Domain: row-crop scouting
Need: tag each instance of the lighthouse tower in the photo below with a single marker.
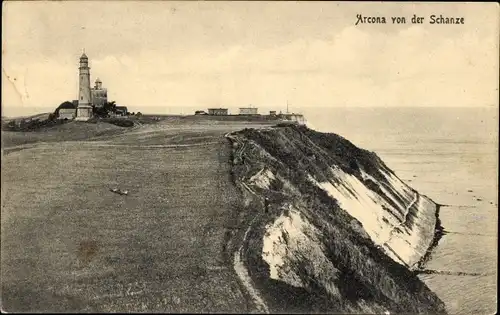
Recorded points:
(84, 109)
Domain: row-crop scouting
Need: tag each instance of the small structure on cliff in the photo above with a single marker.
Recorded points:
(66, 110)
(218, 111)
(249, 111)
(293, 118)
(121, 110)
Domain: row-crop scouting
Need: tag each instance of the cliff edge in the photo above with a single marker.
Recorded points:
(330, 227)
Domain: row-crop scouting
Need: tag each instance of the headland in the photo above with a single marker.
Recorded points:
(223, 214)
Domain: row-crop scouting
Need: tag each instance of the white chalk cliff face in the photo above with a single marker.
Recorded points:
(388, 225)
(339, 220)
(403, 229)
(289, 238)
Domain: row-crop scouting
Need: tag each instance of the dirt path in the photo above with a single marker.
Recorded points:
(69, 244)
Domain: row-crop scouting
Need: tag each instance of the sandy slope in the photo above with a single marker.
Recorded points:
(69, 244)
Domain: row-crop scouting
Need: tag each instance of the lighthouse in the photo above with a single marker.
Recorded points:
(84, 109)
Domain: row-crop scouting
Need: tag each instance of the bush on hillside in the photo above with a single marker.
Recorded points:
(120, 122)
(105, 110)
(52, 116)
(31, 125)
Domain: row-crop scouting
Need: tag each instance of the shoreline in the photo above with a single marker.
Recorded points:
(439, 232)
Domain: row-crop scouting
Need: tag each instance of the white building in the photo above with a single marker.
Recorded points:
(218, 111)
(248, 111)
(67, 113)
(66, 110)
(294, 118)
(84, 109)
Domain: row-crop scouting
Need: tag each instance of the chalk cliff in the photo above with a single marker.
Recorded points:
(330, 227)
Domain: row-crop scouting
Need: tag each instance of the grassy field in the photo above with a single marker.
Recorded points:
(71, 131)
(70, 244)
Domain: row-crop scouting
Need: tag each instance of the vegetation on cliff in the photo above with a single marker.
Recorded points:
(303, 251)
(31, 124)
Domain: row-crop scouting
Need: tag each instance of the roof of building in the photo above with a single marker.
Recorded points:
(66, 105)
(121, 107)
(217, 109)
(84, 56)
(98, 80)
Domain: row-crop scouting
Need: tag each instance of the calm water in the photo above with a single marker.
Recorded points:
(449, 155)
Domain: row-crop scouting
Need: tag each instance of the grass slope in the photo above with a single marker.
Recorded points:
(70, 245)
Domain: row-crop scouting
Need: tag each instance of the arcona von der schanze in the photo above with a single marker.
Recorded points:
(414, 20)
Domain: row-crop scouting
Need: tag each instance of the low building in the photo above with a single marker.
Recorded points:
(248, 111)
(200, 112)
(218, 111)
(121, 110)
(67, 113)
(66, 110)
(272, 113)
(294, 118)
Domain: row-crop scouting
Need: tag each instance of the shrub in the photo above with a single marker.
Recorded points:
(120, 122)
(103, 112)
(31, 125)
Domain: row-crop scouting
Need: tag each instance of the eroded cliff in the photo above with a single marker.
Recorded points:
(331, 227)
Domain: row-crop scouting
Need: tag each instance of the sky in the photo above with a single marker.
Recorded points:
(168, 54)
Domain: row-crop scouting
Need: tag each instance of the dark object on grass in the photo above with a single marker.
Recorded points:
(118, 191)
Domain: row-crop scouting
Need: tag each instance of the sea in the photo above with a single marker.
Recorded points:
(451, 156)
(448, 154)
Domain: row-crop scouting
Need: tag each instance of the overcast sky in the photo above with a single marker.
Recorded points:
(236, 53)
